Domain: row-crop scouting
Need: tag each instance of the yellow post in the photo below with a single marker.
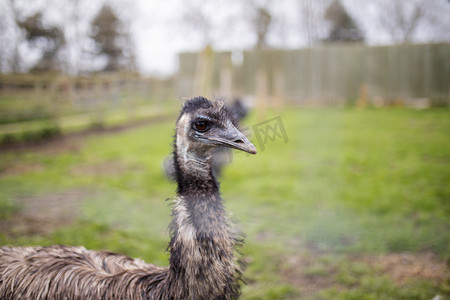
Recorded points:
(279, 90)
(203, 74)
(261, 94)
(363, 96)
(226, 78)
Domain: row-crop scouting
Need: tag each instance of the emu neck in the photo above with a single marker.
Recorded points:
(202, 263)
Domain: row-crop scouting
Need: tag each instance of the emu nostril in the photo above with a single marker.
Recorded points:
(239, 141)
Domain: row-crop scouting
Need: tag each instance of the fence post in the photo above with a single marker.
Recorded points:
(261, 94)
(226, 78)
(203, 73)
(279, 88)
(99, 113)
(363, 96)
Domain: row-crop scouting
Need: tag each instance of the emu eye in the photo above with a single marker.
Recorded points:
(201, 126)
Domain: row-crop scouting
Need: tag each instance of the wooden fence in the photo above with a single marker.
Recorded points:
(410, 75)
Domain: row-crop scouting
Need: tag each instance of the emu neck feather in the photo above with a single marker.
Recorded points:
(201, 249)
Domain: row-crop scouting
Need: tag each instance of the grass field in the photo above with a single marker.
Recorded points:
(354, 206)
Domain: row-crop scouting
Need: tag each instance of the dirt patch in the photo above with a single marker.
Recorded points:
(110, 168)
(60, 144)
(304, 272)
(53, 145)
(43, 214)
(71, 141)
(402, 267)
(17, 168)
(311, 273)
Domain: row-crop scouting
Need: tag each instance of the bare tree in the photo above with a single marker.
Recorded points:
(74, 37)
(5, 37)
(404, 21)
(262, 23)
(197, 17)
(259, 18)
(11, 37)
(216, 23)
(312, 23)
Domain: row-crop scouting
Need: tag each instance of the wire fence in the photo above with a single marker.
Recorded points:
(34, 106)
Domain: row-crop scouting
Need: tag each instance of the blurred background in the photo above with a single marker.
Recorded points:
(347, 101)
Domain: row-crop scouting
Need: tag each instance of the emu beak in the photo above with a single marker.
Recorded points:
(231, 137)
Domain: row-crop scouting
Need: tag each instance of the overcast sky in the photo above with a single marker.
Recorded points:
(160, 35)
(159, 29)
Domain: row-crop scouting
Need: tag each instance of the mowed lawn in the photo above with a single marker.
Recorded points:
(354, 204)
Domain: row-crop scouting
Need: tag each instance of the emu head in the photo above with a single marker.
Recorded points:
(204, 125)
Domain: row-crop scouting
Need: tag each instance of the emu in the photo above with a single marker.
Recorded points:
(202, 263)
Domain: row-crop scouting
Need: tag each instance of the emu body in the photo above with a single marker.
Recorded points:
(202, 246)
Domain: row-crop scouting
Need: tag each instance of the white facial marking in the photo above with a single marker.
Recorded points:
(191, 160)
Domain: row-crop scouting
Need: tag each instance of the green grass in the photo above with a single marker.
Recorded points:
(371, 181)
(25, 118)
(15, 108)
(348, 183)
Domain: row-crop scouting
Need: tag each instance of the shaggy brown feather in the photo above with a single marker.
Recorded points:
(60, 272)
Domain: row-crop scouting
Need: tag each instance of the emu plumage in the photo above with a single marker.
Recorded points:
(202, 265)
